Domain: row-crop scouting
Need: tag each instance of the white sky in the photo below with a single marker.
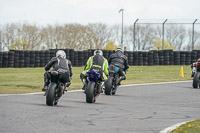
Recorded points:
(43, 12)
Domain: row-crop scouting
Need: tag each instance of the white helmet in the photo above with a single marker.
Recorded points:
(99, 52)
(119, 50)
(61, 53)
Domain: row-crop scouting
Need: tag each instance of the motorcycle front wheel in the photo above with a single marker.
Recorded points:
(196, 80)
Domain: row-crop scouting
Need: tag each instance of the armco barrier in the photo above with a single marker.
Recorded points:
(20, 59)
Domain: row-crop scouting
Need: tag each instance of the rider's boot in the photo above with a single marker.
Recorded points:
(84, 85)
(192, 74)
(44, 88)
(120, 79)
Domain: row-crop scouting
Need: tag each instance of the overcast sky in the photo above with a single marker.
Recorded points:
(43, 12)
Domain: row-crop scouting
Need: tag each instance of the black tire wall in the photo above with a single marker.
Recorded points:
(21, 59)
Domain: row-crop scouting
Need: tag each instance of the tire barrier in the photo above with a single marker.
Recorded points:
(21, 59)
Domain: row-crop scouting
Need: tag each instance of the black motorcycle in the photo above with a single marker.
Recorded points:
(94, 86)
(196, 80)
(111, 85)
(55, 89)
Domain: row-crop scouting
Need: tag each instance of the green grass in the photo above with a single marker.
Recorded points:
(25, 80)
(189, 127)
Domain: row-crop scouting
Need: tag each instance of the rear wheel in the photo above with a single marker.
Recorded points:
(109, 86)
(196, 80)
(90, 92)
(50, 94)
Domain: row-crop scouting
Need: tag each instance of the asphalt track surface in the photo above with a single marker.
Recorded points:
(134, 109)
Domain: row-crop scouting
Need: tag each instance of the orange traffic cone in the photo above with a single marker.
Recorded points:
(181, 72)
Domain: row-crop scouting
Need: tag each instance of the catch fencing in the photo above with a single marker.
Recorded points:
(21, 59)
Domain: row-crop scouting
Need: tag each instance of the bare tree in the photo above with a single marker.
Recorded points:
(196, 40)
(99, 35)
(145, 37)
(176, 35)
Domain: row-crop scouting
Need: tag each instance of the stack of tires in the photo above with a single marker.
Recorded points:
(21, 59)
(5, 60)
(85, 57)
(193, 56)
(76, 58)
(105, 53)
(145, 58)
(26, 58)
(166, 57)
(37, 59)
(155, 57)
(16, 58)
(32, 59)
(110, 52)
(187, 57)
(182, 57)
(198, 54)
(161, 57)
(90, 53)
(150, 58)
(1, 59)
(140, 58)
(71, 56)
(47, 56)
(11, 58)
(67, 53)
(171, 57)
(176, 55)
(41, 57)
(80, 58)
(135, 58)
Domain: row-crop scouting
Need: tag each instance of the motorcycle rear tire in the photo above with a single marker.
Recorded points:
(109, 86)
(50, 97)
(90, 92)
(196, 80)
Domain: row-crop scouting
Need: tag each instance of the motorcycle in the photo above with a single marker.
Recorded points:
(94, 86)
(111, 85)
(55, 89)
(196, 80)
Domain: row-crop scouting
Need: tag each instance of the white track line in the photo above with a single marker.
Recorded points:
(156, 83)
(169, 129)
(34, 93)
(79, 90)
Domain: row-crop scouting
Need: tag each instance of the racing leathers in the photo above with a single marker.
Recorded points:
(119, 60)
(63, 67)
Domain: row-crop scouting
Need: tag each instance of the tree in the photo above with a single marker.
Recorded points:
(99, 34)
(158, 45)
(176, 35)
(110, 45)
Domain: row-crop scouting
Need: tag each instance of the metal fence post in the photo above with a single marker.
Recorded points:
(134, 33)
(193, 33)
(163, 31)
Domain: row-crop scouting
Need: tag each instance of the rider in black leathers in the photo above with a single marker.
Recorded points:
(61, 65)
(119, 60)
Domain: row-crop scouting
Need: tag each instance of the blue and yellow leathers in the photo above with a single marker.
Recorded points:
(97, 62)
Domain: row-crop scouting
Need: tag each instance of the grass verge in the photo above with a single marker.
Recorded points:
(26, 80)
(189, 127)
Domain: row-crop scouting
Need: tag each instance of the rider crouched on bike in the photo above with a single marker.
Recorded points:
(60, 64)
(97, 63)
(195, 67)
(119, 60)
